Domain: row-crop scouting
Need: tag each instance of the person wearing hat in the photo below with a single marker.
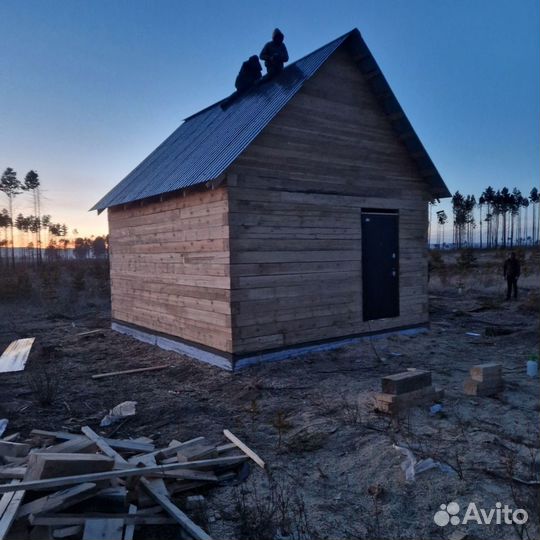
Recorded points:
(250, 73)
(275, 54)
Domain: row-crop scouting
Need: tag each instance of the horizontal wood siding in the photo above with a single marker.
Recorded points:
(295, 197)
(170, 267)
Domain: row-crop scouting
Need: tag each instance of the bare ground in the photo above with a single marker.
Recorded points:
(330, 456)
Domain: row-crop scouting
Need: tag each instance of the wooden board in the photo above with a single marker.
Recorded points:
(58, 500)
(42, 465)
(15, 356)
(128, 371)
(103, 529)
(121, 473)
(9, 505)
(248, 451)
(119, 444)
(13, 449)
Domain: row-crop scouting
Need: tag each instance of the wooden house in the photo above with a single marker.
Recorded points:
(289, 218)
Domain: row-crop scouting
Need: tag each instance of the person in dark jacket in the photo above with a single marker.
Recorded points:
(275, 54)
(249, 74)
(512, 270)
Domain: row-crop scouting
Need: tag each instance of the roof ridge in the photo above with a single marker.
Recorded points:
(290, 65)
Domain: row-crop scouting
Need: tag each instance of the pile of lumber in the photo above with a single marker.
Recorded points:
(407, 389)
(85, 486)
(484, 380)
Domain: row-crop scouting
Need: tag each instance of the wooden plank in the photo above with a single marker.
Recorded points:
(129, 530)
(9, 507)
(15, 356)
(102, 444)
(13, 449)
(119, 444)
(185, 474)
(58, 500)
(71, 446)
(12, 472)
(91, 332)
(79, 519)
(50, 465)
(66, 532)
(122, 473)
(103, 529)
(250, 453)
(192, 528)
(406, 381)
(128, 371)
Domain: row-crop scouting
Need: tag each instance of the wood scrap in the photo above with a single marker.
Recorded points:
(88, 333)
(13, 449)
(250, 453)
(79, 519)
(11, 504)
(103, 529)
(127, 371)
(58, 500)
(15, 356)
(86, 469)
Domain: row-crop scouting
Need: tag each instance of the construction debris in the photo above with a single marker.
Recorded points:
(16, 355)
(484, 380)
(127, 371)
(118, 413)
(407, 389)
(130, 477)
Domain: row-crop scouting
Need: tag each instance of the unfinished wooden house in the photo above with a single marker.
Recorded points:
(289, 218)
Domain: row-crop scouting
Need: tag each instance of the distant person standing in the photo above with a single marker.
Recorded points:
(275, 54)
(512, 270)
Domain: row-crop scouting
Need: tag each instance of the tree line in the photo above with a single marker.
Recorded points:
(34, 226)
(500, 218)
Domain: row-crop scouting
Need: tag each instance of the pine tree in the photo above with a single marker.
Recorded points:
(10, 185)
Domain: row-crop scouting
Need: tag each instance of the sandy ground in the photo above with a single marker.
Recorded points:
(332, 469)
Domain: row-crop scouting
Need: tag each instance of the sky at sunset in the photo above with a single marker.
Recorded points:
(89, 88)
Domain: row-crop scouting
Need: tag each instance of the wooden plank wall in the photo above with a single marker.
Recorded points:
(295, 197)
(170, 267)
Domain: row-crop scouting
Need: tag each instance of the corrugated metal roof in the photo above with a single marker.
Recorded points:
(208, 142)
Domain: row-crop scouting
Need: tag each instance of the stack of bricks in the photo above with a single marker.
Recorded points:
(484, 380)
(407, 389)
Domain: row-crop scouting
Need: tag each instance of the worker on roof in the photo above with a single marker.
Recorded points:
(275, 54)
(249, 74)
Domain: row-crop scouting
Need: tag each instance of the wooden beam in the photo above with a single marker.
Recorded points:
(103, 529)
(59, 500)
(79, 519)
(192, 528)
(127, 371)
(121, 473)
(129, 531)
(12, 472)
(126, 444)
(9, 505)
(248, 451)
(13, 449)
(16, 355)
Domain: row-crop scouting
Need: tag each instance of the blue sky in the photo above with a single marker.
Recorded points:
(89, 88)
